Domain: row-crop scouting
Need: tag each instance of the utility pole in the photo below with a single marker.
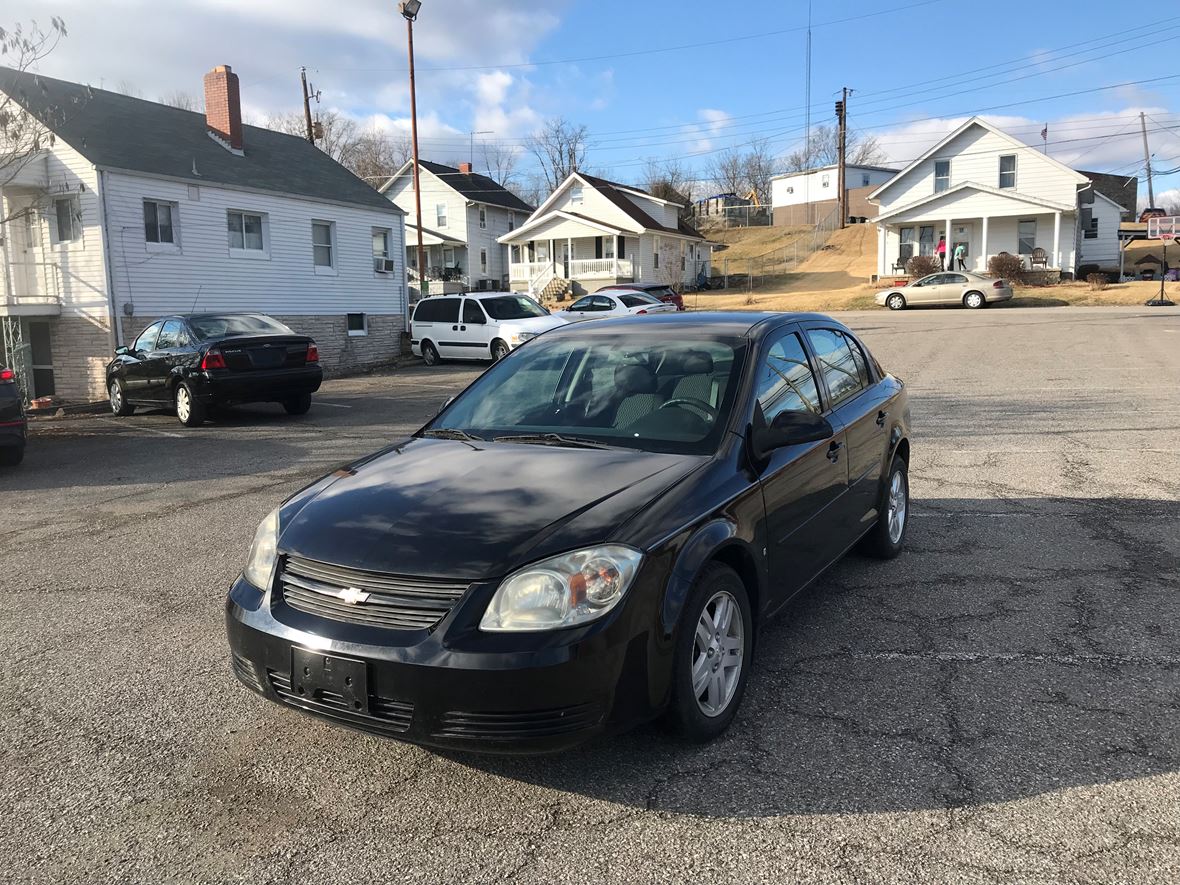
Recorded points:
(1147, 160)
(471, 147)
(841, 147)
(306, 105)
(409, 10)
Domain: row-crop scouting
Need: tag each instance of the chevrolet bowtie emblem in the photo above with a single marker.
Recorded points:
(353, 596)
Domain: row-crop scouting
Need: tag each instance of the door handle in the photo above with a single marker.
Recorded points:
(454, 328)
(834, 452)
(881, 416)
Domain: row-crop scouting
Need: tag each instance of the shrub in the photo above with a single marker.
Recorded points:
(1097, 281)
(922, 265)
(1005, 266)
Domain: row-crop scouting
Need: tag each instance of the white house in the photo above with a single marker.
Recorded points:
(994, 193)
(591, 232)
(463, 215)
(133, 210)
(809, 196)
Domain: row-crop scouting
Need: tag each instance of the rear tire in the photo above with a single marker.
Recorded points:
(189, 411)
(974, 300)
(118, 399)
(298, 405)
(702, 708)
(887, 537)
(429, 354)
(10, 456)
(499, 350)
(896, 301)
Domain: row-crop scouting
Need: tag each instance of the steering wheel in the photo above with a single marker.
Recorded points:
(709, 413)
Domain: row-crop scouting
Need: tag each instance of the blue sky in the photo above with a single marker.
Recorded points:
(917, 68)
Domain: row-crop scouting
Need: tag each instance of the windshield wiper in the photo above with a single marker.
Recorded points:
(553, 439)
(451, 433)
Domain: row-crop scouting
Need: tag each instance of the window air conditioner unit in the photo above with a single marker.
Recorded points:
(384, 265)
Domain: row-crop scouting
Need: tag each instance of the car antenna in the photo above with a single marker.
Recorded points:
(195, 300)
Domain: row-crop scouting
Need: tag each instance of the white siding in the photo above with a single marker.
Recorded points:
(1103, 249)
(160, 281)
(808, 187)
(434, 191)
(594, 205)
(975, 157)
(497, 226)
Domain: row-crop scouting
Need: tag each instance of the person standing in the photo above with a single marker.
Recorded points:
(941, 249)
(960, 256)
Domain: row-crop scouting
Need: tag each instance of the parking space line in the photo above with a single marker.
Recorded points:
(332, 405)
(126, 424)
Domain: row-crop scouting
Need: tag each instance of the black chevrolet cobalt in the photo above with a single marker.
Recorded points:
(590, 536)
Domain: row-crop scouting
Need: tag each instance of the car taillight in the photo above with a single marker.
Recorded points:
(639, 312)
(313, 353)
(998, 284)
(7, 376)
(212, 359)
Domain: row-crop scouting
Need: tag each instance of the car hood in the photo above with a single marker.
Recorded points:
(536, 325)
(475, 510)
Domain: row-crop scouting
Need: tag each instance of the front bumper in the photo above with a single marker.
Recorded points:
(260, 386)
(455, 687)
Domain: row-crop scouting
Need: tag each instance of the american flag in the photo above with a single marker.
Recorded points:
(1045, 133)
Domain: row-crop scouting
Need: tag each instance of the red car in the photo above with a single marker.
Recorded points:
(662, 291)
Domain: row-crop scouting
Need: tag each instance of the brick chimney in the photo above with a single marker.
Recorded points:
(465, 168)
(223, 106)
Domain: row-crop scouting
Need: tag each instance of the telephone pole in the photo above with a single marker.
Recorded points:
(306, 105)
(409, 10)
(842, 149)
(1147, 160)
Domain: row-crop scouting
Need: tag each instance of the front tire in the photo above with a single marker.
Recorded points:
(499, 350)
(298, 405)
(189, 411)
(118, 399)
(896, 301)
(429, 354)
(714, 649)
(974, 301)
(10, 456)
(887, 537)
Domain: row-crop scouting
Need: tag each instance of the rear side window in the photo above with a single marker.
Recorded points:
(634, 301)
(472, 312)
(437, 310)
(170, 335)
(785, 380)
(844, 375)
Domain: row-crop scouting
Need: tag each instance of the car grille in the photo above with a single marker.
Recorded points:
(245, 671)
(518, 726)
(394, 601)
(386, 716)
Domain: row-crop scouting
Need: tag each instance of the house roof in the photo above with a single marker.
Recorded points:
(850, 166)
(974, 121)
(115, 131)
(521, 233)
(615, 193)
(471, 185)
(970, 185)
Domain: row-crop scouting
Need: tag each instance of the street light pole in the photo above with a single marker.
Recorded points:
(409, 9)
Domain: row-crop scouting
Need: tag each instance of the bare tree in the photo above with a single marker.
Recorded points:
(534, 189)
(376, 157)
(759, 163)
(337, 138)
(500, 163)
(186, 101)
(560, 148)
(823, 149)
(670, 181)
(727, 171)
(23, 136)
(128, 88)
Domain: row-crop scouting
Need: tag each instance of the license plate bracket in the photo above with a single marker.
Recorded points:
(330, 680)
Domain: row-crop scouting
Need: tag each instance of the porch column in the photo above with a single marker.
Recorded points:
(1057, 240)
(569, 251)
(882, 260)
(983, 246)
(950, 259)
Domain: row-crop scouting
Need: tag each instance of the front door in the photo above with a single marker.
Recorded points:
(565, 260)
(41, 359)
(136, 364)
(471, 340)
(25, 278)
(961, 235)
(803, 486)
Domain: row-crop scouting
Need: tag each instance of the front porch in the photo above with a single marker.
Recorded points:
(588, 263)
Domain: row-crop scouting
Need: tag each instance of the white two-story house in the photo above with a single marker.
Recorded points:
(591, 232)
(463, 215)
(132, 210)
(993, 193)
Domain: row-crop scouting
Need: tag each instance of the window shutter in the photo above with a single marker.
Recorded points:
(621, 252)
(598, 247)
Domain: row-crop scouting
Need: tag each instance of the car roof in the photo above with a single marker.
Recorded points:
(734, 322)
(640, 286)
(476, 295)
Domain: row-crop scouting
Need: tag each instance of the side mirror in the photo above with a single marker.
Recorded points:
(789, 429)
(122, 351)
(449, 400)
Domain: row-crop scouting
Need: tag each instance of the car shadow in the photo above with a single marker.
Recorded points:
(1018, 647)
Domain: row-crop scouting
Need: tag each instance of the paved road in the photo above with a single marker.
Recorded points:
(1001, 703)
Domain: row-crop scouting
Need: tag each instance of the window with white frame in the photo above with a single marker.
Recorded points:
(382, 263)
(159, 222)
(483, 217)
(655, 254)
(440, 214)
(323, 249)
(1089, 223)
(247, 232)
(608, 247)
(826, 179)
(448, 254)
(512, 221)
(1008, 171)
(864, 179)
(576, 196)
(69, 224)
(942, 175)
(358, 324)
(1026, 236)
(483, 261)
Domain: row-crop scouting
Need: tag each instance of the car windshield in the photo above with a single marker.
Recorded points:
(637, 300)
(230, 325)
(512, 307)
(634, 389)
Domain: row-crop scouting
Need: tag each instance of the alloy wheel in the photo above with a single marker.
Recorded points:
(718, 650)
(184, 404)
(896, 509)
(974, 299)
(895, 302)
(116, 398)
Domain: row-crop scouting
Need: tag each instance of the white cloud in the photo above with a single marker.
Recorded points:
(713, 123)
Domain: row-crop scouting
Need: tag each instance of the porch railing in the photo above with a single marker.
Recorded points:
(583, 268)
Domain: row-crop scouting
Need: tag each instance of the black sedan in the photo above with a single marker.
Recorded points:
(198, 362)
(14, 427)
(586, 538)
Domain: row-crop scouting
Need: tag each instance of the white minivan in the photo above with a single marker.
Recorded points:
(476, 325)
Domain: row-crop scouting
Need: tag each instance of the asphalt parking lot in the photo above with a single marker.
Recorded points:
(1001, 703)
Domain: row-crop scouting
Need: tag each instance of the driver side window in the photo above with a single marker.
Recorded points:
(147, 338)
(785, 381)
(581, 304)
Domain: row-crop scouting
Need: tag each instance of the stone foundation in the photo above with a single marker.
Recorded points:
(82, 347)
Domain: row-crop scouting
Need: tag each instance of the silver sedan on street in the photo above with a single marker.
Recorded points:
(947, 287)
(615, 303)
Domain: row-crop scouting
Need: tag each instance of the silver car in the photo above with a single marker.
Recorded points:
(614, 303)
(947, 287)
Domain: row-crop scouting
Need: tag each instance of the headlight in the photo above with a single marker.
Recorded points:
(522, 337)
(563, 591)
(261, 561)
